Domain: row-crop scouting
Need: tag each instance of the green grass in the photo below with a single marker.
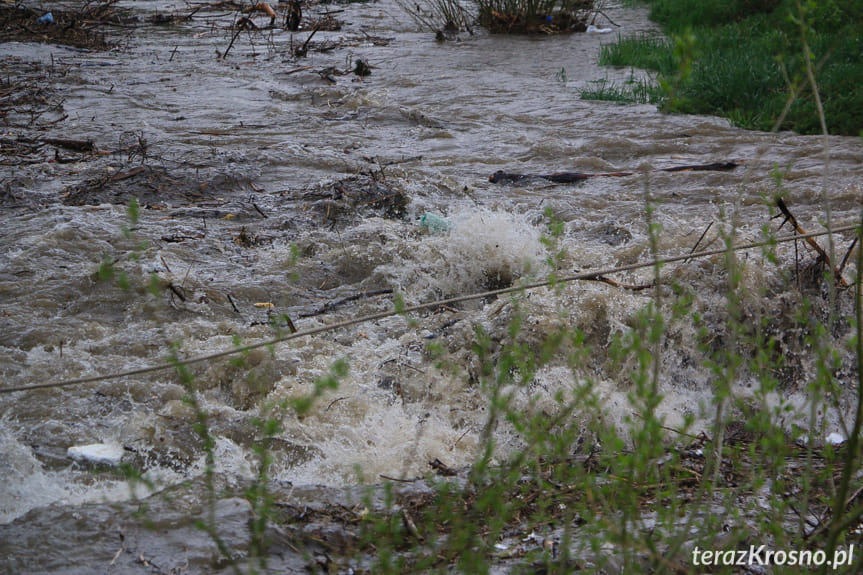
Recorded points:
(679, 15)
(745, 61)
(629, 92)
(648, 52)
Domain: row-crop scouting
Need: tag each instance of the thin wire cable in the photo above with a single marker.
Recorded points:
(592, 275)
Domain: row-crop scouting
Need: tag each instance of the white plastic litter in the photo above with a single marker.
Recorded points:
(835, 439)
(594, 30)
(97, 453)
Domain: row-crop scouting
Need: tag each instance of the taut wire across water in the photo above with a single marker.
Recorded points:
(434, 304)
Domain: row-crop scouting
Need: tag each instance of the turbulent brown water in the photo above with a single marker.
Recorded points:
(264, 183)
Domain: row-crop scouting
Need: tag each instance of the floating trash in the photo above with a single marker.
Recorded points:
(594, 30)
(435, 223)
(835, 439)
(97, 453)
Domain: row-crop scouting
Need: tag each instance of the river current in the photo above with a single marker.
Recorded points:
(274, 185)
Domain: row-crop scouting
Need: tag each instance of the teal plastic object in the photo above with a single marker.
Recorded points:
(434, 223)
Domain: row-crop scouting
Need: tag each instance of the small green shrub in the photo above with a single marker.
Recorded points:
(501, 16)
(533, 16)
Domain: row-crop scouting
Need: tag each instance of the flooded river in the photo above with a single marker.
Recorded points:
(275, 185)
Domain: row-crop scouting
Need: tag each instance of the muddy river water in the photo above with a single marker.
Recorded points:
(275, 185)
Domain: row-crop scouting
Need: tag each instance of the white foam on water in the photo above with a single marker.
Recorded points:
(482, 249)
(25, 484)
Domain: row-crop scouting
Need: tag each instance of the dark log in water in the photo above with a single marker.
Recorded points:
(501, 177)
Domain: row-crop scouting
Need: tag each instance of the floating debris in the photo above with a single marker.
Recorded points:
(97, 453)
(434, 223)
(835, 439)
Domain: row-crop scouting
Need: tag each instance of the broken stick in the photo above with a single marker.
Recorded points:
(822, 255)
(329, 306)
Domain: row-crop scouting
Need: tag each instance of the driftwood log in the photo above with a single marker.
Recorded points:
(70, 144)
(501, 177)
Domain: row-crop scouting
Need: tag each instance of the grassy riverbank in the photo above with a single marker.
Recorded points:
(747, 60)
